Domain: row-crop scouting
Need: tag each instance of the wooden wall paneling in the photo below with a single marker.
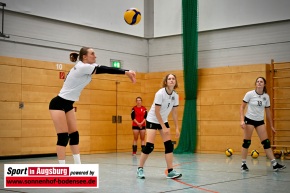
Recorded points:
(10, 114)
(102, 113)
(38, 128)
(103, 97)
(220, 112)
(220, 97)
(281, 65)
(103, 128)
(103, 84)
(232, 69)
(125, 144)
(10, 146)
(10, 111)
(125, 128)
(37, 93)
(10, 92)
(37, 145)
(35, 76)
(282, 125)
(282, 114)
(85, 98)
(35, 111)
(228, 81)
(82, 112)
(281, 82)
(10, 61)
(103, 143)
(220, 128)
(282, 93)
(10, 74)
(10, 128)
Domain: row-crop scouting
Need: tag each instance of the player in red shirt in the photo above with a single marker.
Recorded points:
(138, 115)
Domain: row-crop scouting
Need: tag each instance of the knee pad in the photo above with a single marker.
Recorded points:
(246, 143)
(148, 148)
(168, 146)
(142, 147)
(62, 139)
(74, 138)
(266, 143)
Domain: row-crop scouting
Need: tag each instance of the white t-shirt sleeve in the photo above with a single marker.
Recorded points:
(176, 103)
(247, 97)
(86, 68)
(158, 98)
(267, 105)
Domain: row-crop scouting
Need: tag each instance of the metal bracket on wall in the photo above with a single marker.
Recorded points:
(114, 119)
(119, 119)
(21, 105)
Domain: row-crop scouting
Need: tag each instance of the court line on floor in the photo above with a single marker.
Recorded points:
(189, 185)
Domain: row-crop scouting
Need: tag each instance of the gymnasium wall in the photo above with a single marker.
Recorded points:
(225, 47)
(257, 37)
(29, 130)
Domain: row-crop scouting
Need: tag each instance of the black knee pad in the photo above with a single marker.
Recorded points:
(148, 148)
(266, 143)
(246, 143)
(74, 138)
(142, 147)
(62, 139)
(168, 146)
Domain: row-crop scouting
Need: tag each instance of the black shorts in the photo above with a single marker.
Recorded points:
(254, 123)
(138, 128)
(155, 126)
(58, 103)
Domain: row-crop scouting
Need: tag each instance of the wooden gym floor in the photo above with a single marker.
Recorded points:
(202, 173)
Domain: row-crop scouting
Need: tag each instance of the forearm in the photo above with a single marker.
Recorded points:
(269, 118)
(109, 70)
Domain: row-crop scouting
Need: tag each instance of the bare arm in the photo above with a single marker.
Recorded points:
(242, 115)
(159, 118)
(269, 118)
(175, 120)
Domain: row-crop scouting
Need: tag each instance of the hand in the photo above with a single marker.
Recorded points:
(243, 125)
(177, 133)
(131, 75)
(273, 129)
(166, 130)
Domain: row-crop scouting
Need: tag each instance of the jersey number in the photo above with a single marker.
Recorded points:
(259, 103)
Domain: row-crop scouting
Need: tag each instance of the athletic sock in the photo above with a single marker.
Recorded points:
(77, 158)
(273, 162)
(169, 170)
(244, 161)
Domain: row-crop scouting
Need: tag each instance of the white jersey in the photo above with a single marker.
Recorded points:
(166, 101)
(256, 105)
(76, 80)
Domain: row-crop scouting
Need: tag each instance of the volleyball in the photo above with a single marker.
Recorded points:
(229, 152)
(132, 16)
(255, 154)
(277, 153)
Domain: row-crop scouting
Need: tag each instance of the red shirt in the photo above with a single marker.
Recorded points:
(138, 113)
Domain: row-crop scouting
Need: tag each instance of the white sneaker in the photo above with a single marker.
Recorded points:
(140, 173)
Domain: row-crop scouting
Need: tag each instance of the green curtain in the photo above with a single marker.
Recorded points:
(188, 136)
